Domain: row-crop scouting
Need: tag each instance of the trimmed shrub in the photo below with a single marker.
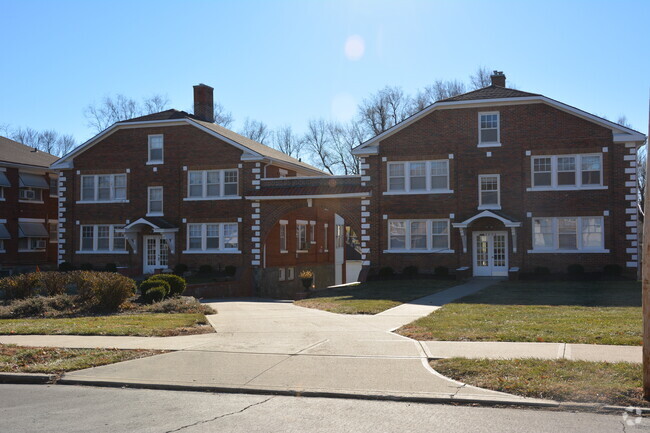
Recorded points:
(156, 293)
(66, 267)
(148, 284)
(30, 307)
(177, 284)
(612, 270)
(179, 305)
(20, 286)
(386, 272)
(542, 270)
(86, 266)
(180, 269)
(441, 271)
(53, 283)
(111, 290)
(575, 269)
(110, 267)
(84, 283)
(410, 271)
(205, 269)
(230, 270)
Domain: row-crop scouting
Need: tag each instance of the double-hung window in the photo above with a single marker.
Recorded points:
(283, 236)
(418, 177)
(54, 187)
(155, 201)
(418, 235)
(567, 171)
(103, 187)
(568, 234)
(301, 236)
(212, 237)
(489, 191)
(102, 238)
(155, 149)
(212, 184)
(489, 131)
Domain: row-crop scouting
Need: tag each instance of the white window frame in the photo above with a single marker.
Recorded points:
(407, 178)
(283, 236)
(96, 189)
(326, 239)
(291, 273)
(111, 240)
(580, 249)
(162, 201)
(204, 239)
(489, 143)
(429, 236)
(54, 182)
(312, 232)
(38, 195)
(53, 239)
(480, 195)
(281, 274)
(162, 149)
(30, 245)
(204, 184)
(301, 228)
(554, 171)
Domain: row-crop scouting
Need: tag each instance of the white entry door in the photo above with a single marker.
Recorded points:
(339, 249)
(156, 254)
(490, 254)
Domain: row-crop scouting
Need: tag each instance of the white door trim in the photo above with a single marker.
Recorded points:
(159, 244)
(490, 270)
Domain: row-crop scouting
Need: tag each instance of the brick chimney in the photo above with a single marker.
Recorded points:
(204, 102)
(498, 79)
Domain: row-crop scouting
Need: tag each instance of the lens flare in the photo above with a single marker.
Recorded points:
(354, 47)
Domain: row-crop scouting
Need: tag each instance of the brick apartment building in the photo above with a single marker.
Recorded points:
(28, 208)
(490, 181)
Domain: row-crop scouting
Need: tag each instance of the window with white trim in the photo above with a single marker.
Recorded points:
(30, 194)
(418, 235)
(301, 236)
(213, 237)
(418, 176)
(489, 191)
(290, 274)
(102, 237)
(31, 244)
(54, 232)
(489, 133)
(283, 236)
(312, 232)
(281, 274)
(212, 184)
(54, 187)
(567, 171)
(156, 143)
(103, 187)
(568, 234)
(325, 237)
(155, 200)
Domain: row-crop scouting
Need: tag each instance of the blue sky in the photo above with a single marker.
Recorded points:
(284, 62)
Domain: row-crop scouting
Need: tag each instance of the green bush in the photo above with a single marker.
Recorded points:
(230, 270)
(66, 267)
(148, 284)
(205, 269)
(86, 267)
(20, 286)
(386, 272)
(156, 293)
(575, 269)
(410, 271)
(180, 269)
(441, 271)
(53, 283)
(110, 267)
(612, 270)
(111, 290)
(177, 284)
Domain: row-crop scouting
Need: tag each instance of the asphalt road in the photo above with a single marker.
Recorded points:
(61, 408)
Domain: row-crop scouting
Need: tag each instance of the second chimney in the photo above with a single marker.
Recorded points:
(204, 102)
(498, 79)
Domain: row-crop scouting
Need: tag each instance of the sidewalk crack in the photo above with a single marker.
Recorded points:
(221, 416)
(458, 389)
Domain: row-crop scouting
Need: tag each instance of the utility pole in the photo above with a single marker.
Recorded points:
(645, 278)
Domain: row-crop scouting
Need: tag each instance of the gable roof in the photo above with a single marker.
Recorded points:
(252, 147)
(497, 95)
(17, 153)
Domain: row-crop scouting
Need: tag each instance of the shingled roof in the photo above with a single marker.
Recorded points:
(162, 115)
(490, 92)
(16, 153)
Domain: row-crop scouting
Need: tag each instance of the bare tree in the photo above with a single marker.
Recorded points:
(384, 109)
(622, 120)
(435, 92)
(27, 136)
(284, 140)
(155, 104)
(115, 109)
(641, 156)
(255, 130)
(48, 141)
(343, 139)
(317, 141)
(480, 78)
(65, 144)
(221, 116)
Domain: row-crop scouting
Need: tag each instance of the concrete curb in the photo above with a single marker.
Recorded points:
(27, 378)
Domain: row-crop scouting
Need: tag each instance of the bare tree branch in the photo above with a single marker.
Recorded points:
(317, 142)
(221, 116)
(480, 78)
(117, 108)
(384, 109)
(255, 130)
(284, 140)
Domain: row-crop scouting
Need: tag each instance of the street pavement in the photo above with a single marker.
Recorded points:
(68, 409)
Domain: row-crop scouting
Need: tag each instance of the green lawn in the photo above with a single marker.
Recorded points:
(562, 380)
(374, 296)
(57, 360)
(160, 324)
(594, 312)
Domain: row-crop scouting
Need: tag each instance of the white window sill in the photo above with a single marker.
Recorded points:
(155, 214)
(101, 201)
(211, 252)
(433, 191)
(567, 188)
(227, 197)
(31, 251)
(54, 196)
(54, 242)
(489, 145)
(155, 162)
(445, 251)
(489, 207)
(302, 251)
(284, 251)
(2, 199)
(31, 201)
(568, 251)
(100, 252)
(3, 251)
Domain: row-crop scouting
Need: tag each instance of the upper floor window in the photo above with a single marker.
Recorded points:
(301, 236)
(156, 149)
(30, 194)
(212, 237)
(155, 201)
(568, 234)
(54, 231)
(567, 171)
(418, 176)
(283, 236)
(489, 131)
(212, 184)
(102, 237)
(489, 191)
(54, 187)
(103, 187)
(31, 186)
(418, 235)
